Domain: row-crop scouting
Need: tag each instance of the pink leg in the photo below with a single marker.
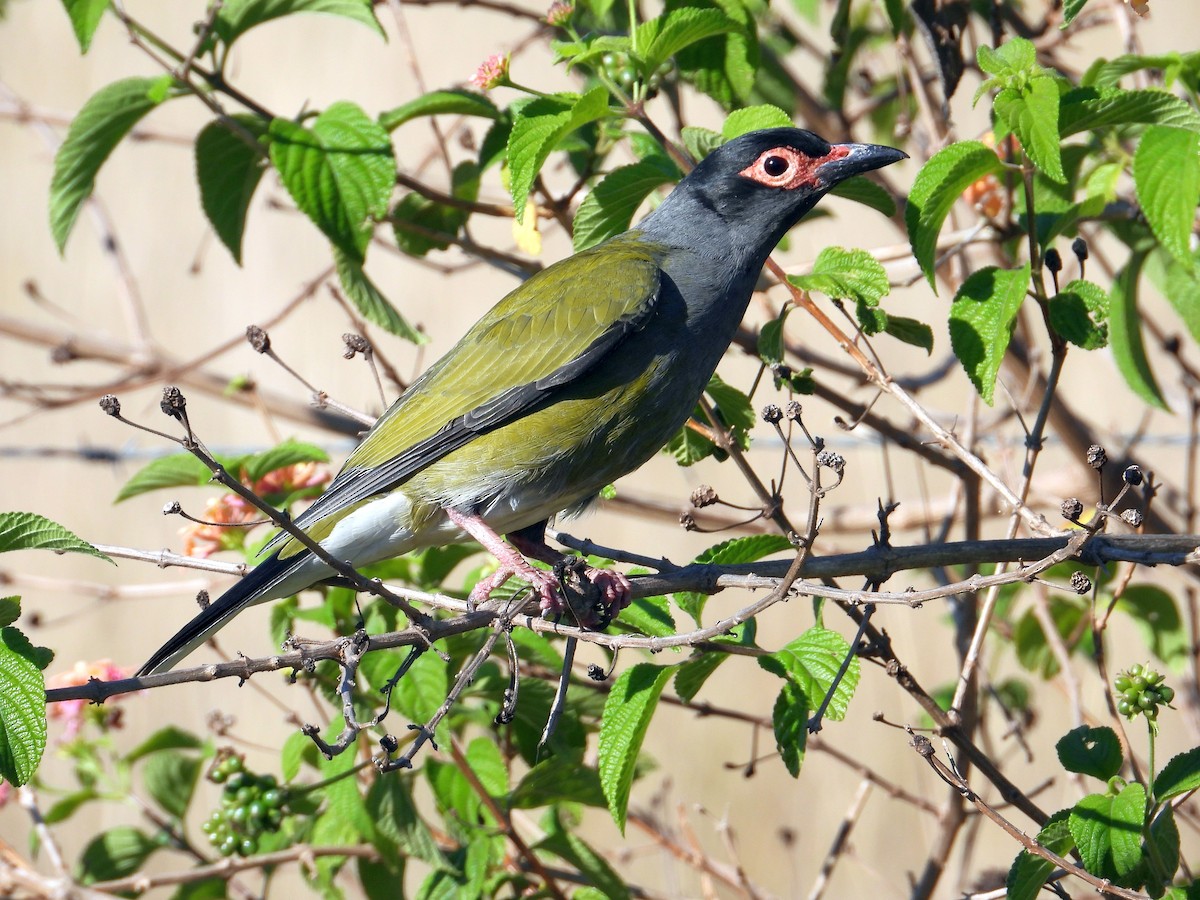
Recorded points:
(613, 587)
(511, 563)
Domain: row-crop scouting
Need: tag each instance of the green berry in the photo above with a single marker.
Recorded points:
(267, 782)
(1124, 708)
(1135, 669)
(248, 847)
(228, 846)
(1147, 700)
(1166, 694)
(1140, 682)
(1122, 683)
(273, 798)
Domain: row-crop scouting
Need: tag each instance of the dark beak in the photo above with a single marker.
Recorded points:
(860, 158)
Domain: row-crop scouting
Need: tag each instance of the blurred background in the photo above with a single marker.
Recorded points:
(717, 780)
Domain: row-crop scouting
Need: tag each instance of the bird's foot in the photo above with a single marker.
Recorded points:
(545, 584)
(593, 597)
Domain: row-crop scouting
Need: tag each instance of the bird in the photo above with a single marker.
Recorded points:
(575, 378)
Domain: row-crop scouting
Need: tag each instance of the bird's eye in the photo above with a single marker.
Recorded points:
(775, 166)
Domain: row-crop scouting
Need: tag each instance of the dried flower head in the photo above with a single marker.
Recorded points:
(1080, 583)
(1132, 517)
(704, 496)
(1072, 508)
(559, 13)
(772, 413)
(492, 72)
(1096, 457)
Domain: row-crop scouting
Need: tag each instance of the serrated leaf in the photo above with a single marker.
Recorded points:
(1091, 751)
(609, 208)
(488, 765)
(1032, 115)
(29, 531)
(868, 193)
(982, 317)
(692, 675)
(750, 548)
(689, 446)
(22, 710)
(236, 17)
(369, 300)
(724, 66)
(732, 404)
(433, 218)
(85, 17)
(289, 453)
(537, 130)
(170, 778)
(1090, 108)
(937, 187)
(789, 718)
(1125, 333)
(174, 470)
(1071, 8)
(649, 616)
(661, 38)
(1157, 617)
(846, 275)
(562, 777)
(1079, 314)
(770, 339)
(105, 119)
(1029, 871)
(1166, 173)
(116, 853)
(699, 142)
(10, 610)
(228, 170)
(627, 713)
(339, 171)
(754, 118)
(812, 662)
(1180, 285)
(440, 103)
(1179, 776)
(1107, 830)
(910, 331)
(423, 688)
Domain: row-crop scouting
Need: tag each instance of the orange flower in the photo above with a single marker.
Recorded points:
(559, 12)
(987, 194)
(291, 478)
(203, 540)
(72, 712)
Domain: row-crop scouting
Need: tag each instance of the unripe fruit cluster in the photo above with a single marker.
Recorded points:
(250, 806)
(621, 69)
(1140, 691)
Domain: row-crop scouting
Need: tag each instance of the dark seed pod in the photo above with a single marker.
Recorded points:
(1072, 508)
(1096, 457)
(1080, 583)
(772, 413)
(1132, 475)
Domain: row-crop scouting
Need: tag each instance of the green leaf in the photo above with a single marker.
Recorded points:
(340, 172)
(689, 446)
(22, 709)
(911, 331)
(982, 317)
(440, 103)
(369, 300)
(1015, 56)
(868, 193)
(105, 119)
(609, 208)
(228, 170)
(747, 549)
(400, 831)
(1029, 639)
(1032, 115)
(239, 16)
(488, 765)
(1090, 751)
(64, 808)
(433, 218)
(29, 531)
(289, 453)
(699, 142)
(846, 275)
(724, 66)
(692, 675)
(563, 777)
(649, 616)
(1089, 108)
(1079, 314)
(423, 688)
(661, 38)
(754, 118)
(1125, 333)
(1071, 8)
(1166, 173)
(790, 721)
(537, 130)
(85, 17)
(10, 610)
(168, 738)
(563, 842)
(770, 339)
(812, 662)
(938, 185)
(1179, 776)
(1180, 285)
(627, 713)
(170, 777)
(1108, 831)
(732, 404)
(16, 641)
(1108, 73)
(174, 470)
(1029, 871)
(1157, 617)
(115, 853)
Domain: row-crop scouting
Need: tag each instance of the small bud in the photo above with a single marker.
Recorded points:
(203, 600)
(110, 404)
(259, 339)
(793, 410)
(1132, 475)
(1096, 457)
(1080, 248)
(1072, 508)
(355, 343)
(492, 72)
(832, 460)
(688, 521)
(173, 403)
(596, 673)
(172, 508)
(1053, 261)
(1132, 517)
(1080, 583)
(559, 13)
(704, 496)
(772, 413)
(389, 744)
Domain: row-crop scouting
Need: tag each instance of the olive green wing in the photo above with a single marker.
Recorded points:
(547, 333)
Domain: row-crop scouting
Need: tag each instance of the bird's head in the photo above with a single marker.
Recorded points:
(760, 184)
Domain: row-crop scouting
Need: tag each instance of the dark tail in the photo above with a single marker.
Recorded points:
(250, 590)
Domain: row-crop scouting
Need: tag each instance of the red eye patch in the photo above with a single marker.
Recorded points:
(788, 168)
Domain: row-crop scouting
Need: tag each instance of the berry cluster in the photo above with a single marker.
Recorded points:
(1141, 691)
(250, 805)
(623, 70)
